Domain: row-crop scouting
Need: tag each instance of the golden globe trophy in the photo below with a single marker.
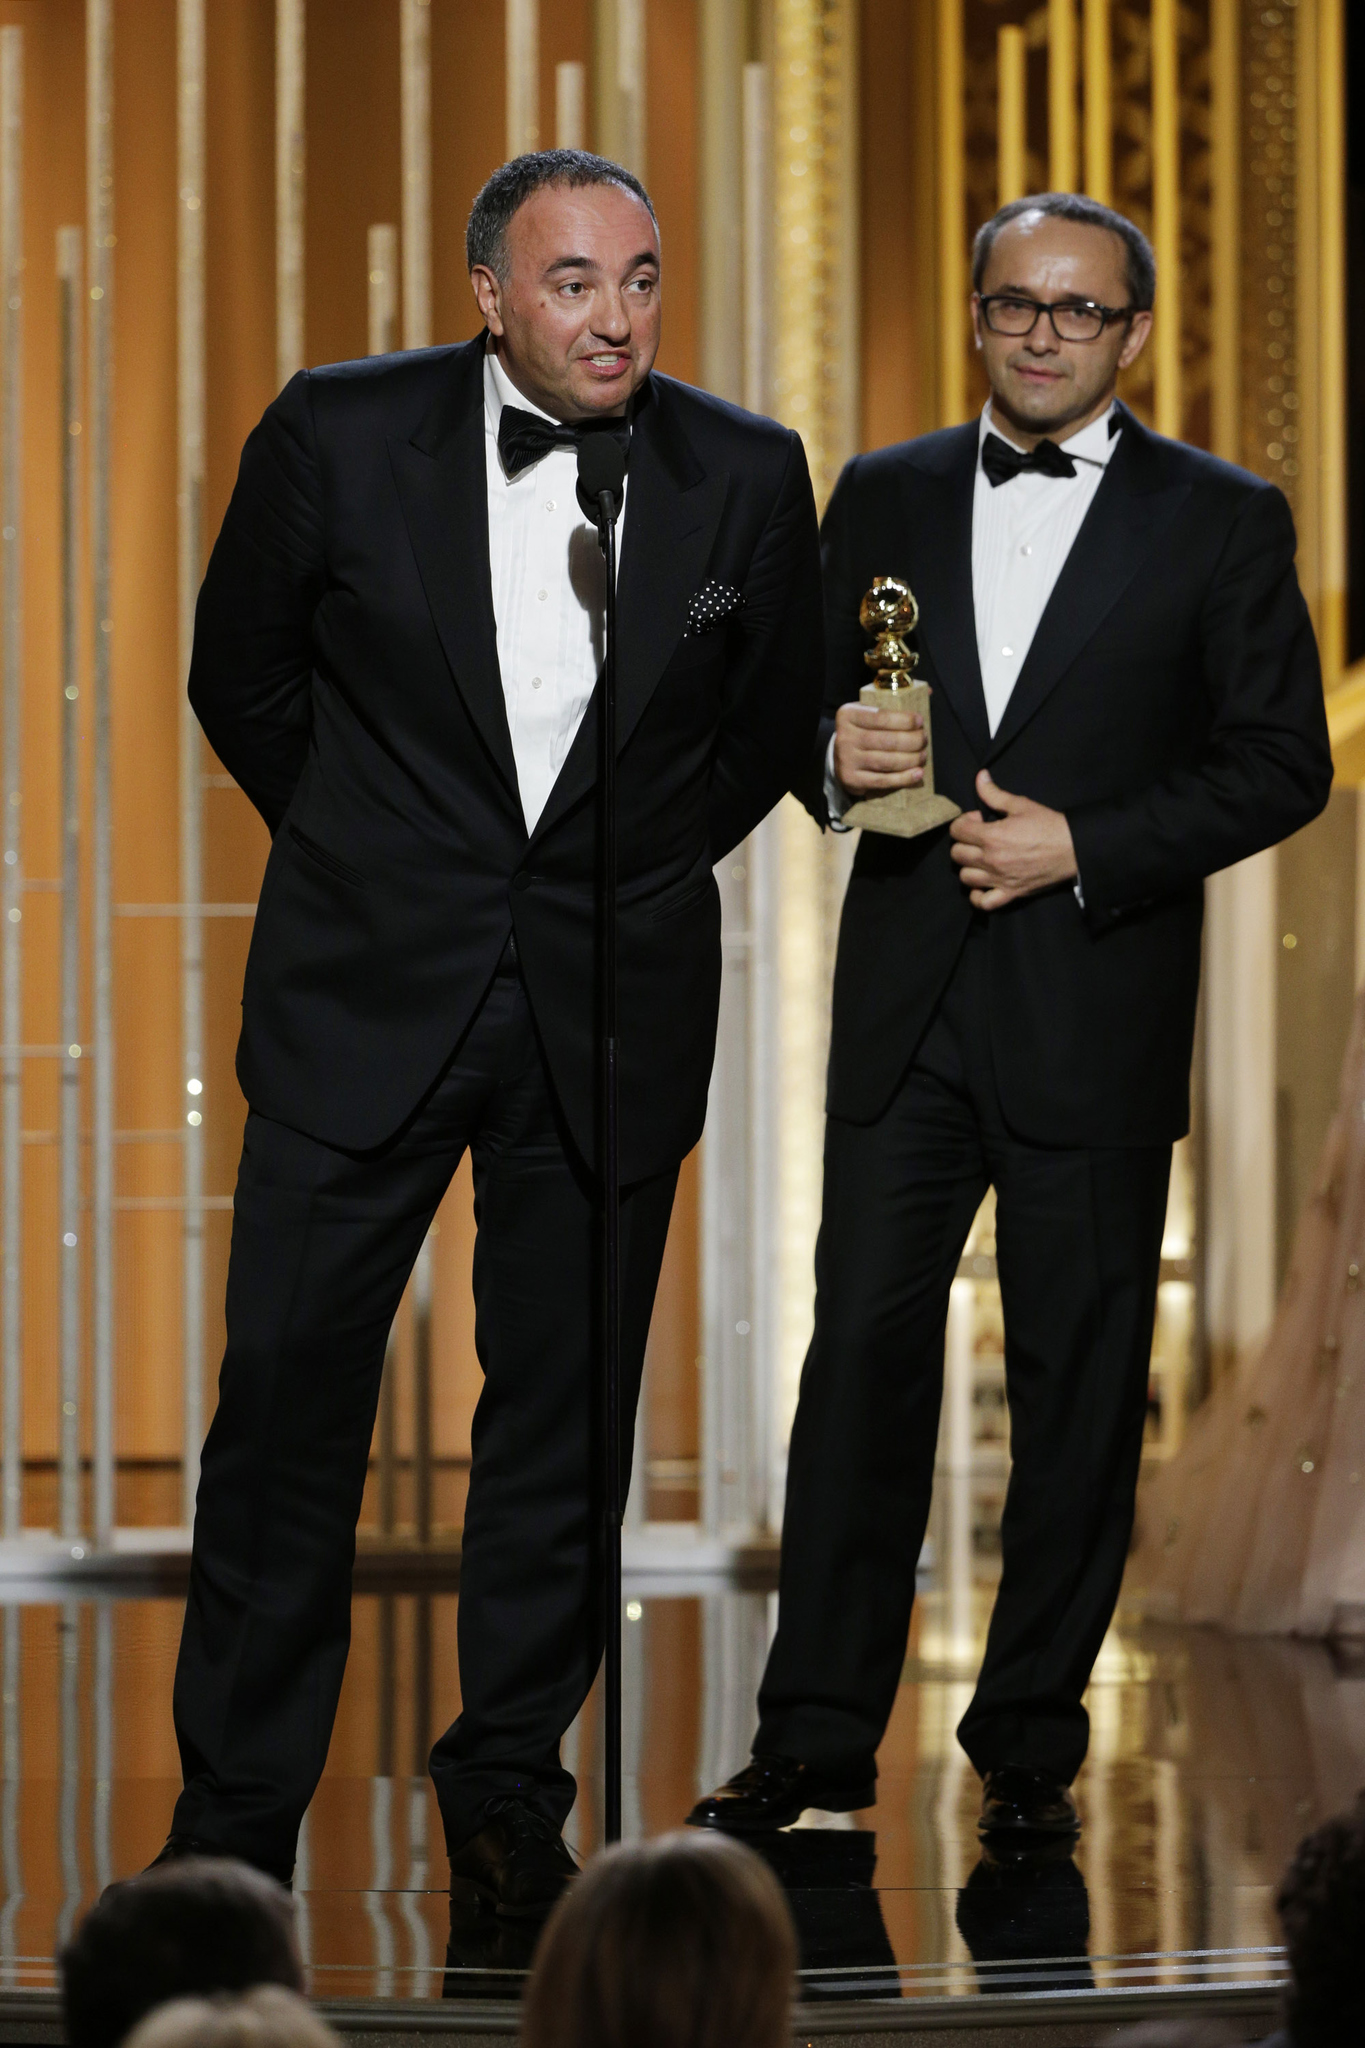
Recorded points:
(889, 612)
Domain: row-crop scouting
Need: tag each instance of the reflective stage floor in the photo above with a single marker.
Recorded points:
(1210, 1758)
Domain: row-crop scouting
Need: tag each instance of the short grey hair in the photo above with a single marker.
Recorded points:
(1141, 261)
(512, 184)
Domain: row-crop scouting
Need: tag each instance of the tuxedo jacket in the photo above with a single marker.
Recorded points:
(345, 669)
(1170, 704)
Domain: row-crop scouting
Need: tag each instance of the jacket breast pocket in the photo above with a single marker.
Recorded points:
(676, 906)
(322, 858)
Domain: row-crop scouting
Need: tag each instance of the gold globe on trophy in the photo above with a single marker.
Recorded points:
(889, 612)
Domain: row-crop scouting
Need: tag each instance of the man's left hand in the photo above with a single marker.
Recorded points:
(1026, 849)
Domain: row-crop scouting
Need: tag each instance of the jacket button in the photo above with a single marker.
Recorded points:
(522, 881)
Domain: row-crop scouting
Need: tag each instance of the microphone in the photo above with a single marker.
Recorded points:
(601, 480)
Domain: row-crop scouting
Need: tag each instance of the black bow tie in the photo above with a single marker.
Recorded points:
(524, 437)
(1001, 460)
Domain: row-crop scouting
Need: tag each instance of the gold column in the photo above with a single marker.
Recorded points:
(1061, 94)
(1326, 130)
(382, 250)
(1166, 212)
(952, 218)
(721, 34)
(1011, 114)
(620, 82)
(570, 98)
(12, 724)
(415, 60)
(1225, 266)
(814, 365)
(523, 76)
(1099, 142)
(289, 188)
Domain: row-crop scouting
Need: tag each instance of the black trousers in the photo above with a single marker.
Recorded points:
(322, 1245)
(1078, 1237)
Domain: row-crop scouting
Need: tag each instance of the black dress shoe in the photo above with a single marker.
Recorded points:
(517, 1863)
(773, 1791)
(1017, 1800)
(179, 1848)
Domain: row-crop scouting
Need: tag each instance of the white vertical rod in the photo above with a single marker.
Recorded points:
(381, 248)
(103, 1744)
(630, 82)
(415, 52)
(69, 1766)
(761, 860)
(12, 654)
(571, 124)
(523, 76)
(290, 172)
(190, 523)
(757, 232)
(70, 272)
(11, 1793)
(99, 160)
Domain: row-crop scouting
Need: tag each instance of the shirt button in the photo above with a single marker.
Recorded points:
(535, 682)
(542, 595)
(549, 504)
(1026, 549)
(1008, 653)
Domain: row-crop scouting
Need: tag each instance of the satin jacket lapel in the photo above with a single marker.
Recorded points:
(942, 583)
(443, 487)
(673, 508)
(1130, 511)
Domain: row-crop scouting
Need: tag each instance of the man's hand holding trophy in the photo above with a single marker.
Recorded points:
(889, 612)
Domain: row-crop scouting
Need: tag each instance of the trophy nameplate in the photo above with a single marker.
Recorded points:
(889, 611)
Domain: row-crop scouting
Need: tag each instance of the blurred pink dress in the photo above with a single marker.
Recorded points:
(1258, 1523)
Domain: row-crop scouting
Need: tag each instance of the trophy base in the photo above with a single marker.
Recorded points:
(904, 812)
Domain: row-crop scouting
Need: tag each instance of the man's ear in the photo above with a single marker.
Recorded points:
(488, 296)
(1139, 328)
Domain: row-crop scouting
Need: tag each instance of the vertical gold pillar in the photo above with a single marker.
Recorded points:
(99, 204)
(620, 82)
(1327, 128)
(1011, 114)
(12, 729)
(1166, 212)
(522, 28)
(1099, 113)
(415, 83)
(952, 218)
(1225, 257)
(190, 560)
(571, 126)
(1061, 95)
(289, 188)
(381, 243)
(814, 362)
(721, 27)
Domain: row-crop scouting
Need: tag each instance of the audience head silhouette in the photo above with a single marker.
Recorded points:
(268, 2018)
(179, 1930)
(682, 1942)
(1322, 1910)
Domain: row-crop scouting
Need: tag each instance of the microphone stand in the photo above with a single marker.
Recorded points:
(601, 469)
(611, 1191)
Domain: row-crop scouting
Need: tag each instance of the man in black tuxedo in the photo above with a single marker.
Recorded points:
(1126, 698)
(396, 653)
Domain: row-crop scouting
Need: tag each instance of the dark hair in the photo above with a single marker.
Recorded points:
(1141, 261)
(485, 239)
(1322, 1910)
(682, 1942)
(201, 1925)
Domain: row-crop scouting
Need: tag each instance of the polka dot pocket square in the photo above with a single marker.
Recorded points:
(715, 604)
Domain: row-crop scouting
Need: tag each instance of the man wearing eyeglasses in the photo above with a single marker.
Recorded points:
(1126, 698)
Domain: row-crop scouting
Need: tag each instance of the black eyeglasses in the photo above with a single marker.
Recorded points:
(1072, 319)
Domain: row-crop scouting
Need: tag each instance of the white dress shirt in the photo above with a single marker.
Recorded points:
(1022, 533)
(549, 592)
